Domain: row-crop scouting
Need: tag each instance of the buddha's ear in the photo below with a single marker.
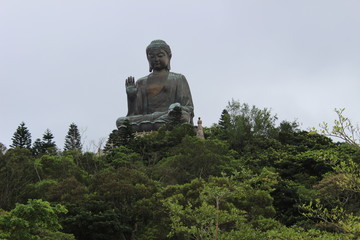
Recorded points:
(150, 68)
(168, 66)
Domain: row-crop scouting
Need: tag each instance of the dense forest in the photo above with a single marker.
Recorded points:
(251, 178)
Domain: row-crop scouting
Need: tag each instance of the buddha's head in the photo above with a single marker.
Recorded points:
(159, 55)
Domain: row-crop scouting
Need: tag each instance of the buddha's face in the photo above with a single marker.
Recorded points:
(158, 59)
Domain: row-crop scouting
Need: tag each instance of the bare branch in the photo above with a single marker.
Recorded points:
(343, 129)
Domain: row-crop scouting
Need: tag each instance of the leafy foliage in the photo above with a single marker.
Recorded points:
(2, 149)
(16, 172)
(175, 117)
(35, 220)
(194, 158)
(250, 178)
(343, 129)
(120, 137)
(37, 147)
(234, 207)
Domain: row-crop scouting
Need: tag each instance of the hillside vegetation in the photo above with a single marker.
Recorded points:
(250, 178)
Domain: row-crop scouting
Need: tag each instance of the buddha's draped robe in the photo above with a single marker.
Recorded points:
(154, 105)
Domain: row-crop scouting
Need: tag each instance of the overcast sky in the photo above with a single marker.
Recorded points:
(64, 61)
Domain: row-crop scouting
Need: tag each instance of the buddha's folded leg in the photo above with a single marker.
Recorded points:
(185, 117)
(138, 120)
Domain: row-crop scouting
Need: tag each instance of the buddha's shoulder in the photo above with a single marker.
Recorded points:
(176, 76)
(141, 81)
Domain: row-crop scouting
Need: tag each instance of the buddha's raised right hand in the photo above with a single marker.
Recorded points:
(130, 86)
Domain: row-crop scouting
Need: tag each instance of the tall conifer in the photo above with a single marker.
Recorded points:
(37, 147)
(224, 121)
(46, 145)
(22, 137)
(73, 139)
(48, 140)
(120, 137)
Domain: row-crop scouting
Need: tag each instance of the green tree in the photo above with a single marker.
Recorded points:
(114, 209)
(209, 220)
(46, 145)
(298, 233)
(95, 220)
(175, 118)
(123, 157)
(73, 139)
(242, 126)
(49, 144)
(120, 137)
(224, 121)
(155, 146)
(345, 163)
(90, 162)
(113, 141)
(235, 207)
(16, 172)
(287, 132)
(22, 137)
(56, 167)
(251, 120)
(33, 221)
(37, 147)
(126, 133)
(335, 219)
(222, 129)
(2, 149)
(343, 128)
(194, 158)
(336, 207)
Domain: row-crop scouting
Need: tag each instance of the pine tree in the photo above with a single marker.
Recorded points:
(175, 118)
(224, 121)
(113, 141)
(120, 137)
(73, 139)
(48, 143)
(126, 133)
(21, 138)
(37, 147)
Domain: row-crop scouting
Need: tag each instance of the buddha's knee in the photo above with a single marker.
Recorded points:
(120, 122)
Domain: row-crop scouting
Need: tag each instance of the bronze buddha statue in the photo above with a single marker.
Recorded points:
(152, 98)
